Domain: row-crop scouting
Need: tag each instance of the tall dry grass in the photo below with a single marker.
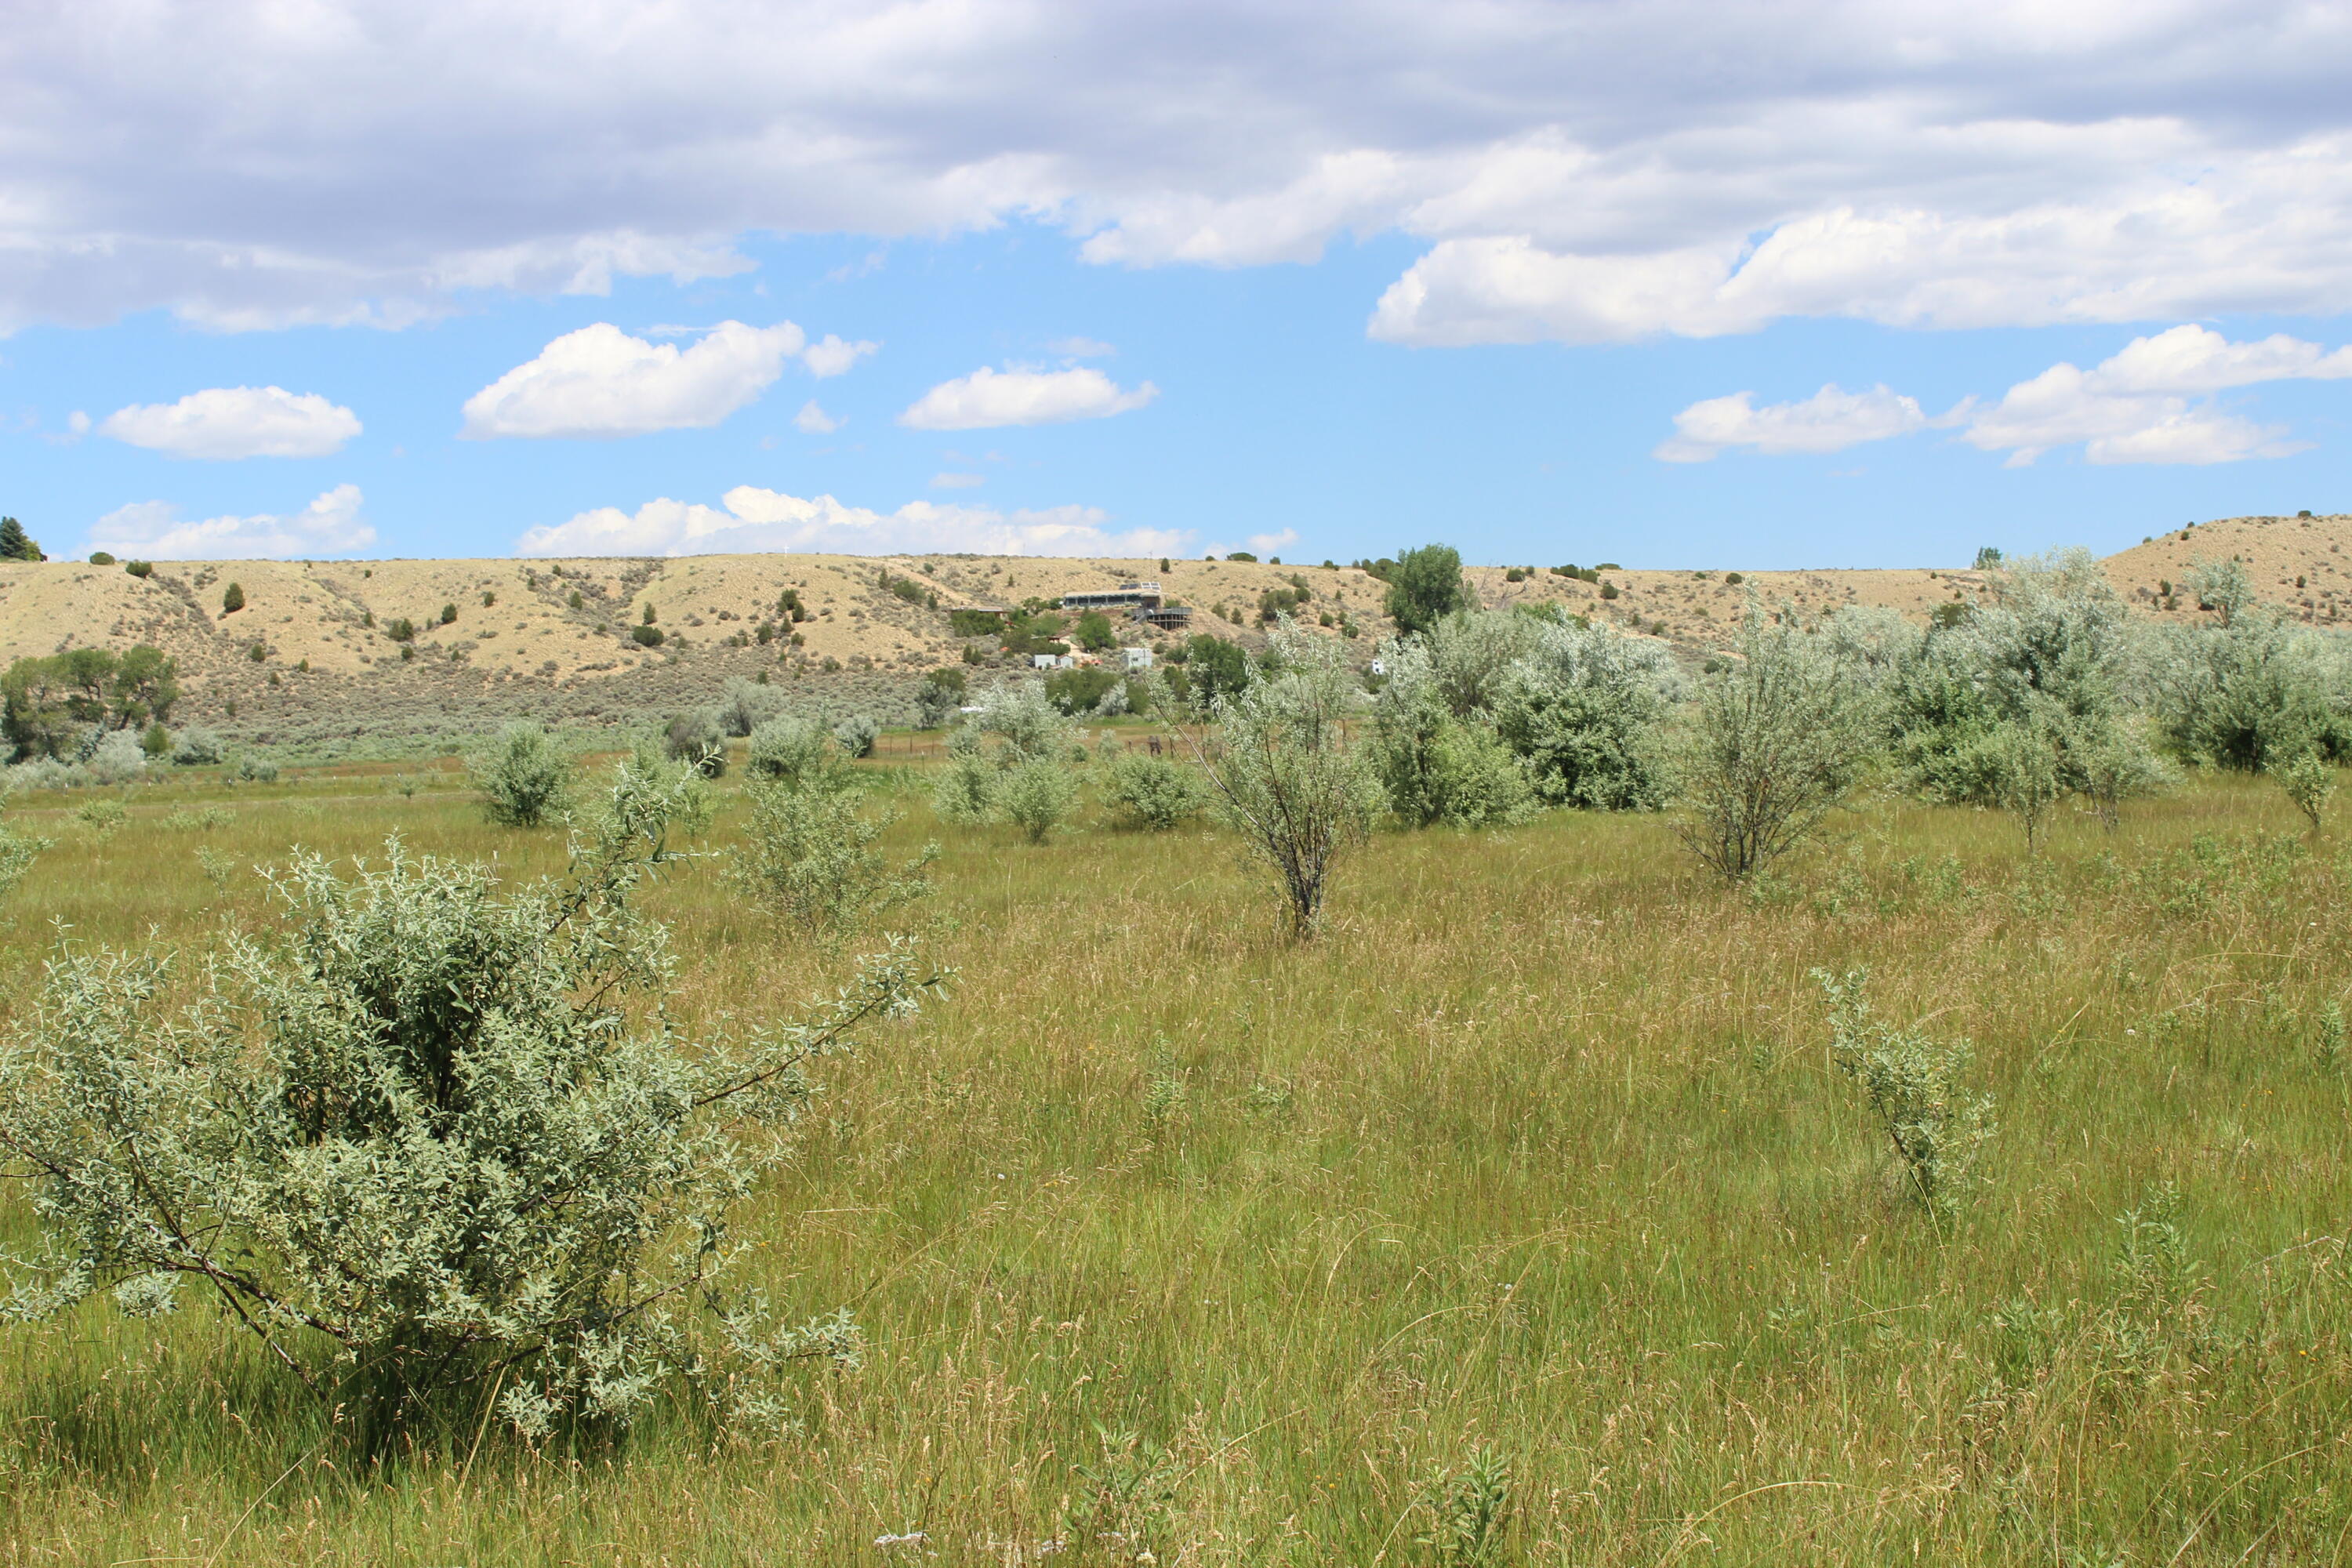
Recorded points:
(1170, 1236)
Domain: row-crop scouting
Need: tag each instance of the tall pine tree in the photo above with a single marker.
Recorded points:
(16, 544)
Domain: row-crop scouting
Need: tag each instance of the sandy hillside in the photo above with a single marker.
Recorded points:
(312, 650)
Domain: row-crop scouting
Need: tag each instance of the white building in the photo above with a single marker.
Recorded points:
(1137, 658)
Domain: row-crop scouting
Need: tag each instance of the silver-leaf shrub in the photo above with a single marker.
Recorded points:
(432, 1140)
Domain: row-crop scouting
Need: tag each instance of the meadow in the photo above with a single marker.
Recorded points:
(1520, 1217)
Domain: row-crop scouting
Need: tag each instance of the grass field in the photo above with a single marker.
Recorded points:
(1170, 1237)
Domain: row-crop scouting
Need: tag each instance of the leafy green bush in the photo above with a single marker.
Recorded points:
(401, 630)
(966, 790)
(748, 704)
(1585, 710)
(232, 599)
(196, 746)
(139, 568)
(647, 637)
(525, 776)
(793, 751)
(809, 858)
(972, 622)
(1434, 766)
(857, 735)
(427, 1147)
(1037, 795)
(101, 558)
(1082, 690)
(1152, 793)
(939, 698)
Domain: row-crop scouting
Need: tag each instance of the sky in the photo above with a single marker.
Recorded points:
(1664, 284)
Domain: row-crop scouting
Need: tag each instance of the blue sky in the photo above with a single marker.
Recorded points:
(1496, 274)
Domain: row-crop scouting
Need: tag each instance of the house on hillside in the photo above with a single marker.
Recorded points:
(1142, 602)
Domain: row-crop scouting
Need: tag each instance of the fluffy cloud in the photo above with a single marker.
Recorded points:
(1831, 420)
(601, 381)
(1912, 161)
(833, 357)
(2136, 408)
(987, 399)
(330, 525)
(813, 420)
(757, 521)
(224, 422)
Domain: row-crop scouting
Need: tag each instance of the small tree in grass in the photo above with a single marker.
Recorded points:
(1937, 1126)
(1780, 733)
(525, 776)
(438, 1145)
(1037, 795)
(857, 735)
(2308, 780)
(1283, 774)
(809, 858)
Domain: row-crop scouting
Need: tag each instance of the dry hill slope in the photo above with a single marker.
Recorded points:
(309, 655)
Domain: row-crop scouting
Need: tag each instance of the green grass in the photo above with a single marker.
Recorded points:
(1536, 1151)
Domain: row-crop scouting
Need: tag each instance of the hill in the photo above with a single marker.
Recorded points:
(311, 658)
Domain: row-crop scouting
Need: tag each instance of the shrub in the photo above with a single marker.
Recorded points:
(747, 704)
(252, 768)
(233, 600)
(196, 747)
(448, 614)
(939, 698)
(1425, 585)
(1282, 775)
(966, 790)
(1152, 793)
(696, 740)
(1778, 736)
(426, 1147)
(525, 776)
(1434, 766)
(1584, 710)
(1939, 1128)
(971, 623)
(857, 735)
(794, 751)
(2240, 694)
(2017, 702)
(401, 630)
(156, 742)
(139, 568)
(809, 858)
(103, 817)
(256, 652)
(1036, 795)
(1081, 690)
(1094, 632)
(17, 853)
(117, 759)
(1215, 668)
(2309, 782)
(100, 558)
(647, 637)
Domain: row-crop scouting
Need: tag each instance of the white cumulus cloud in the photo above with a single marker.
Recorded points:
(224, 422)
(755, 520)
(812, 420)
(833, 357)
(601, 381)
(987, 399)
(1831, 420)
(330, 525)
(2135, 406)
